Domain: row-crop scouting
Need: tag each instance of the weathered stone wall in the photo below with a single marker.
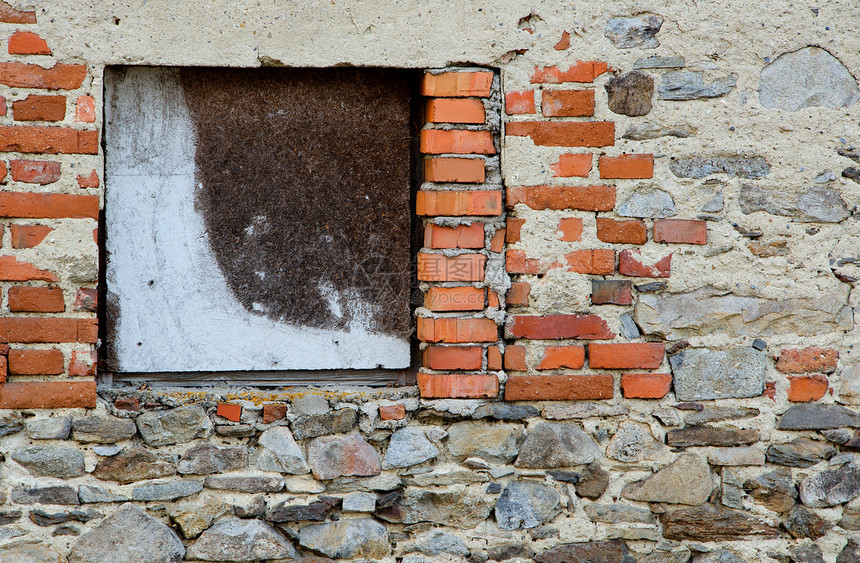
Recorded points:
(637, 335)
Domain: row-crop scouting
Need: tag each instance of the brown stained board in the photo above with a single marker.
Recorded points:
(318, 162)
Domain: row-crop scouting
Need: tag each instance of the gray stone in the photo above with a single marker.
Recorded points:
(749, 455)
(830, 488)
(107, 450)
(310, 403)
(633, 442)
(719, 556)
(174, 426)
(849, 391)
(690, 85)
(818, 417)
(824, 177)
(583, 410)
(805, 78)
(705, 374)
(128, 535)
(90, 494)
(455, 506)
(51, 461)
(809, 553)
(506, 411)
(51, 428)
(43, 518)
(709, 311)
(524, 504)
(667, 417)
(30, 552)
(133, 464)
(686, 481)
(731, 489)
(716, 414)
(593, 481)
(750, 167)
(10, 426)
(711, 523)
(850, 553)
(628, 327)
(234, 539)
(800, 452)
(318, 510)
(245, 483)
(57, 494)
(9, 532)
(235, 430)
(774, 490)
(204, 458)
(710, 436)
(193, 515)
(335, 456)
(852, 173)
(553, 444)
(676, 555)
(715, 204)
(347, 539)
(590, 552)
(441, 476)
(508, 551)
(803, 523)
(441, 543)
(359, 502)
(496, 443)
(647, 130)
(618, 513)
(636, 31)
(408, 446)
(103, 430)
(659, 62)
(245, 507)
(166, 490)
(815, 204)
(9, 516)
(313, 425)
(281, 453)
(630, 93)
(648, 203)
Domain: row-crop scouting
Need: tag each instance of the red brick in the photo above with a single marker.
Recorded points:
(28, 236)
(392, 412)
(8, 14)
(625, 355)
(442, 110)
(457, 84)
(564, 133)
(35, 330)
(59, 77)
(627, 166)
(570, 229)
(462, 268)
(559, 387)
(28, 43)
(645, 385)
(631, 264)
(437, 141)
(557, 357)
(13, 270)
(127, 403)
(520, 102)
(683, 231)
(599, 262)
(90, 181)
(3, 169)
(48, 206)
(459, 203)
(229, 411)
(621, 232)
(580, 71)
(457, 331)
(35, 171)
(462, 236)
(83, 364)
(770, 390)
(457, 386)
(586, 198)
(518, 294)
(494, 358)
(497, 241)
(516, 262)
(611, 292)
(454, 299)
(512, 229)
(563, 43)
(39, 108)
(453, 357)
(567, 103)
(36, 362)
(803, 388)
(48, 140)
(271, 413)
(556, 327)
(572, 165)
(86, 299)
(460, 170)
(806, 360)
(85, 109)
(48, 395)
(36, 299)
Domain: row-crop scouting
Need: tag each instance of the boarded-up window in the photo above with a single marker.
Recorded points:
(257, 219)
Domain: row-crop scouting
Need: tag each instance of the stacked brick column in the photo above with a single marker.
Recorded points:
(49, 206)
(460, 266)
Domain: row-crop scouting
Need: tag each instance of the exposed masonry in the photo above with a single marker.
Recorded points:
(637, 335)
